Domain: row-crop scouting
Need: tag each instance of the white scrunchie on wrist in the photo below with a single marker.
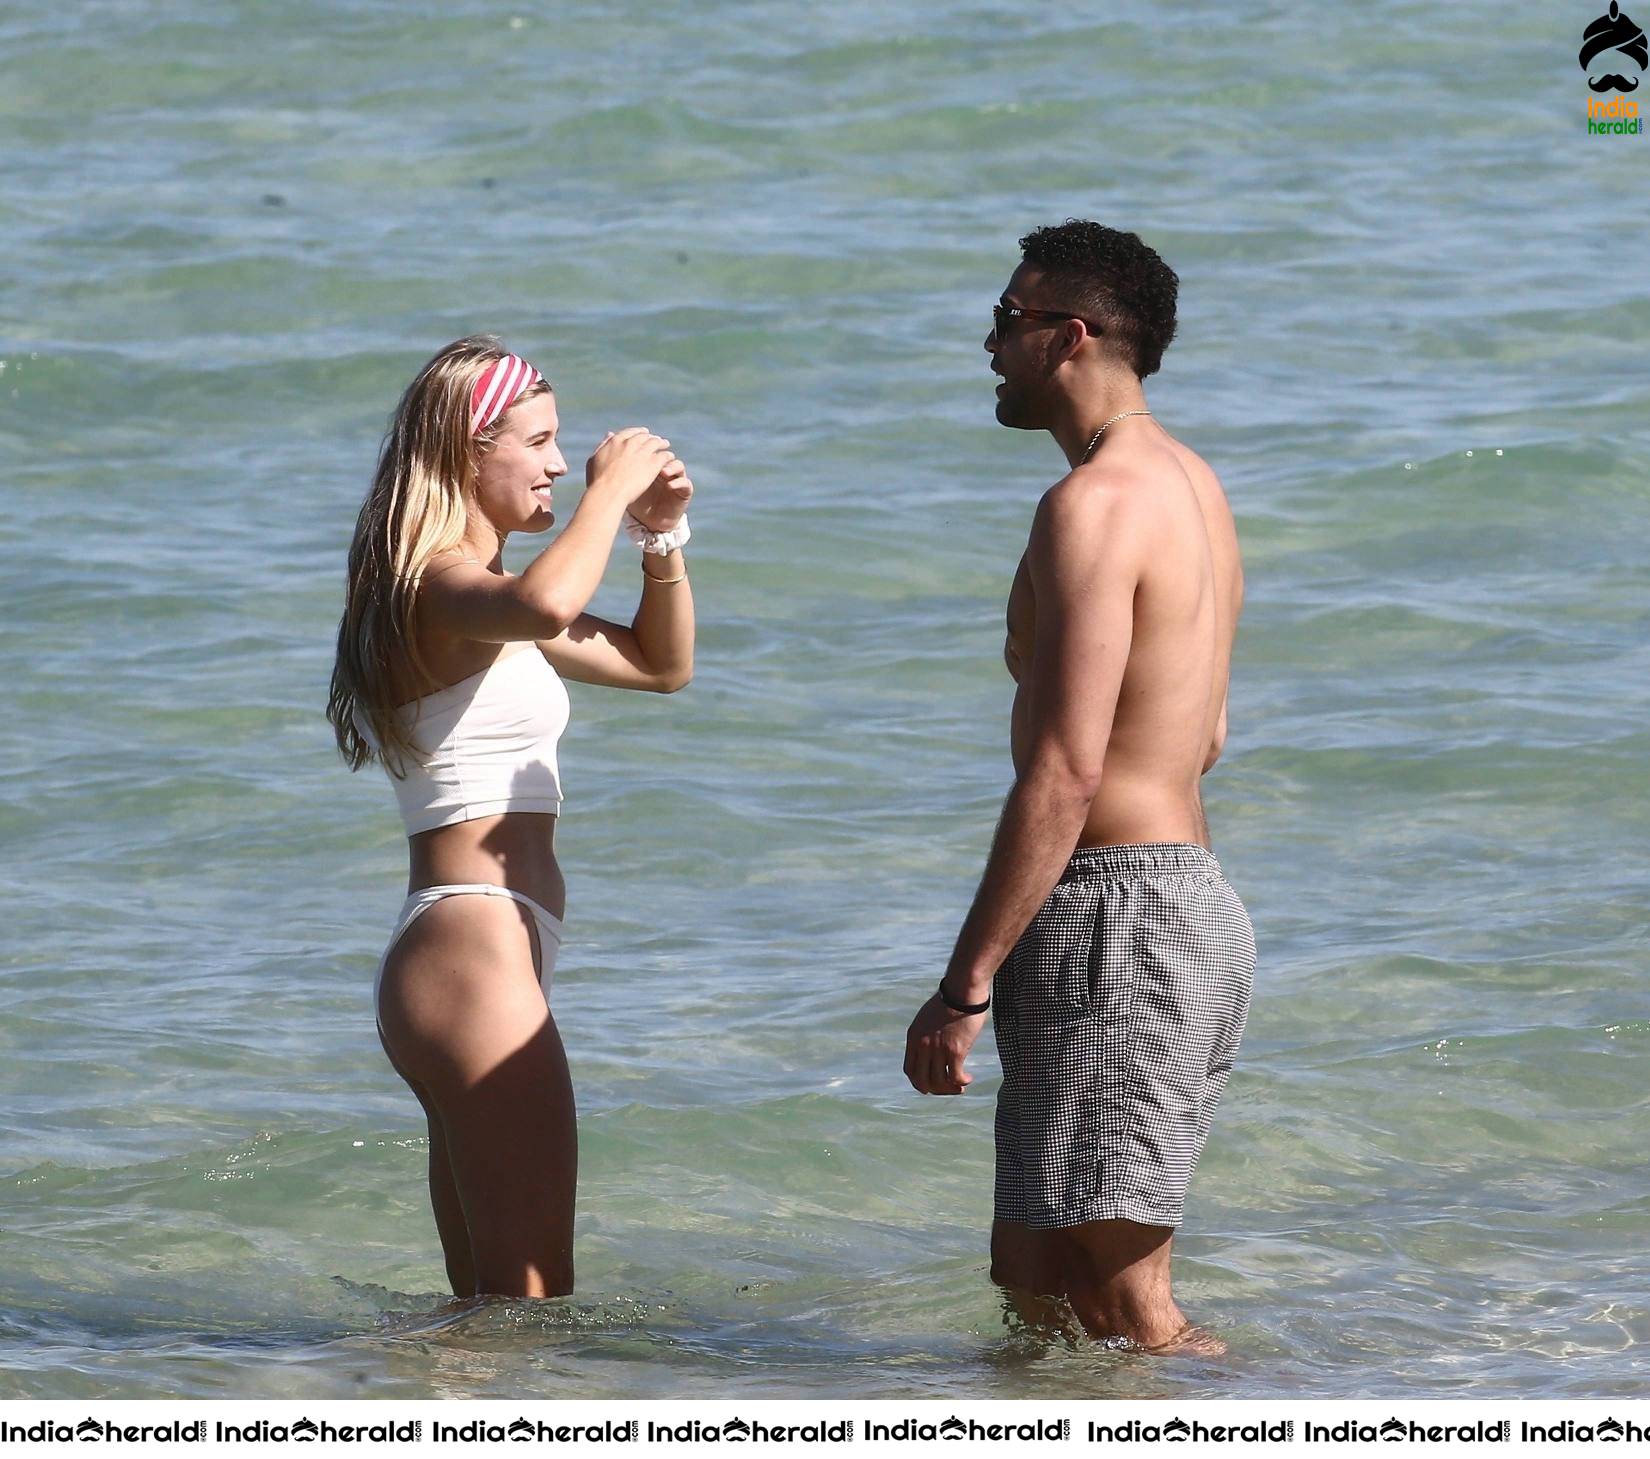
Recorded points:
(661, 543)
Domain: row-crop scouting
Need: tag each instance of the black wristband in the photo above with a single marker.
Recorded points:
(957, 1007)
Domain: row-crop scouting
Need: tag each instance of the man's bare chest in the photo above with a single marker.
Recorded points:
(1021, 621)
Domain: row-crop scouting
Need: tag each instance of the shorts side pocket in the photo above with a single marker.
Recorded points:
(1113, 985)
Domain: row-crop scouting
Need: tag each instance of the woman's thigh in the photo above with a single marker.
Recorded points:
(463, 1017)
(512, 1145)
(460, 990)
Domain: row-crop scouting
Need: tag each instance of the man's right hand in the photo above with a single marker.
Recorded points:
(627, 462)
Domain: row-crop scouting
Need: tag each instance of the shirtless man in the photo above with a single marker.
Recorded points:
(1121, 955)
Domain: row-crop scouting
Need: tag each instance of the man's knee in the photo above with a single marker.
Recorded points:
(1025, 1260)
(1119, 1281)
(1120, 1253)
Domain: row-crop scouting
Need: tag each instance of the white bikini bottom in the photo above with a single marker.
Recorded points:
(549, 925)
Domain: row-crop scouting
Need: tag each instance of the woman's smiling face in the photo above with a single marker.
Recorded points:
(514, 477)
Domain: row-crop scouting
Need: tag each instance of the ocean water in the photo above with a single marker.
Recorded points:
(1412, 342)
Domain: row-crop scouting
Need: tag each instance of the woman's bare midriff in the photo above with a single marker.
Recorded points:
(515, 850)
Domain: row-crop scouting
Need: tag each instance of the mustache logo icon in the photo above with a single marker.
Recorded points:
(1614, 35)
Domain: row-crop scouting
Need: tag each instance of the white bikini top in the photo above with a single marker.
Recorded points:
(488, 745)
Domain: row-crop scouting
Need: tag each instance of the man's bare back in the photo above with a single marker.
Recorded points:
(1169, 725)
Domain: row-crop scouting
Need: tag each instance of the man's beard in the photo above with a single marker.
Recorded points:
(1021, 408)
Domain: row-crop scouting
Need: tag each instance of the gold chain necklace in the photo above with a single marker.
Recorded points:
(1095, 439)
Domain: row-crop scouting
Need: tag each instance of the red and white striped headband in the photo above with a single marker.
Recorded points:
(500, 386)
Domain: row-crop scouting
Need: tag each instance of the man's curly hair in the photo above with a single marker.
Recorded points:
(1112, 278)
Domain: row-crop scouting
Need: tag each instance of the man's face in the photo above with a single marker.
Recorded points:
(1024, 351)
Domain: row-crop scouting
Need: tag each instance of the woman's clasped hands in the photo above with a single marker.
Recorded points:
(642, 468)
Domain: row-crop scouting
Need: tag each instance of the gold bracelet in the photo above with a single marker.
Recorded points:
(648, 577)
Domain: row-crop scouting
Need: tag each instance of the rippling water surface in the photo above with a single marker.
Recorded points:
(1411, 341)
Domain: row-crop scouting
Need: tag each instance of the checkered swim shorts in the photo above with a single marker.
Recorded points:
(1117, 1016)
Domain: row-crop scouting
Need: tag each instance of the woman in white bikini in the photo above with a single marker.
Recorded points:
(447, 674)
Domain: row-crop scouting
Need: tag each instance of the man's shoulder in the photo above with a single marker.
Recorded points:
(1198, 471)
(1092, 520)
(1097, 495)
(1132, 486)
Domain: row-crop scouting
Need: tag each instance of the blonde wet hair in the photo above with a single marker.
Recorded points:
(416, 509)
